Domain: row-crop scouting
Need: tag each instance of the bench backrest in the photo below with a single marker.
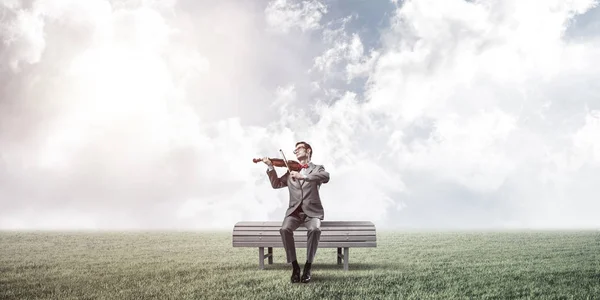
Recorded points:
(334, 234)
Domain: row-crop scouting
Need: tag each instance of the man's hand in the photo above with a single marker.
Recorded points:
(267, 161)
(297, 175)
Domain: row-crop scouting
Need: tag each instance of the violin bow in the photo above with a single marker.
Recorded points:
(285, 161)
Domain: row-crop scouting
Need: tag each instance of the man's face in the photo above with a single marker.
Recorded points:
(300, 151)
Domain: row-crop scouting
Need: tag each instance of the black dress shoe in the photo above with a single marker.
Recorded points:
(295, 275)
(305, 276)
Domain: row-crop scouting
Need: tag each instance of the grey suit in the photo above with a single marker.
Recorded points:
(304, 208)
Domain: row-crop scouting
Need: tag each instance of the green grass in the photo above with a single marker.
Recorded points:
(204, 265)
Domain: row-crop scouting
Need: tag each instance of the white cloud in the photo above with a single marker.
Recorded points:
(123, 132)
(146, 115)
(284, 96)
(484, 74)
(587, 139)
(284, 15)
(344, 57)
(471, 94)
(21, 32)
(343, 50)
(469, 151)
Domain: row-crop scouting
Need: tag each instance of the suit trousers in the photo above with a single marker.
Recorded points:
(290, 224)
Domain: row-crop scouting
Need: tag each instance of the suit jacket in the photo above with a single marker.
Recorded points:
(303, 192)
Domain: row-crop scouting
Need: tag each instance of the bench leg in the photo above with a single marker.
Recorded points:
(339, 256)
(261, 258)
(346, 257)
(270, 255)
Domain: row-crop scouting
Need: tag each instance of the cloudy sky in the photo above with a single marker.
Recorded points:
(443, 114)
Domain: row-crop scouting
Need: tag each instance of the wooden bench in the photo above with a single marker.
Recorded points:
(334, 234)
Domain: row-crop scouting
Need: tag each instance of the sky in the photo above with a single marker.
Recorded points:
(428, 114)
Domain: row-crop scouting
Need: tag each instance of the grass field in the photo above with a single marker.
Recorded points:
(204, 265)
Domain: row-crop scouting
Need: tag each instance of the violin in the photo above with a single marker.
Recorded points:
(292, 165)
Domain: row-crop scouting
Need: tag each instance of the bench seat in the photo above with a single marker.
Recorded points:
(334, 234)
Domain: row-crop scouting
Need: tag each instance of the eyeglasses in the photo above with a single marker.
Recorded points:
(301, 147)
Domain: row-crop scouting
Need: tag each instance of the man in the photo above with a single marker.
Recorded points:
(305, 207)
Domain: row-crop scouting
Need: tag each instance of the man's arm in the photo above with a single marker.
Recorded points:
(320, 176)
(277, 182)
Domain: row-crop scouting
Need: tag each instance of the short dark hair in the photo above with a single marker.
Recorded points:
(307, 147)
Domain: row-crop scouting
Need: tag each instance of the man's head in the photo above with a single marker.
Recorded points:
(302, 150)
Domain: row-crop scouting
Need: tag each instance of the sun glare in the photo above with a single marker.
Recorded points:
(116, 91)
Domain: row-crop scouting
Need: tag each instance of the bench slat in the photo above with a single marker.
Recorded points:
(334, 234)
(303, 245)
(323, 223)
(350, 238)
(301, 228)
(302, 233)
